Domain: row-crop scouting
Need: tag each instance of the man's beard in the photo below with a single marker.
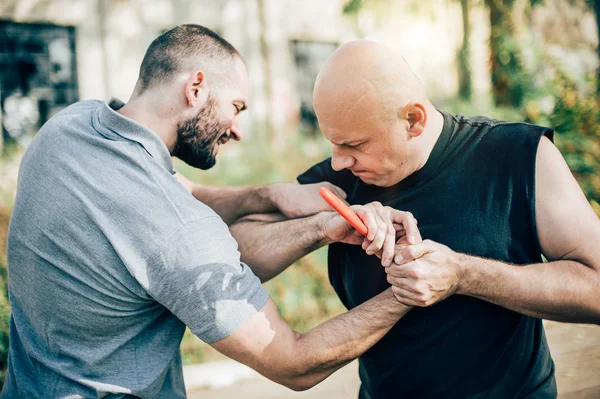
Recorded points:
(198, 136)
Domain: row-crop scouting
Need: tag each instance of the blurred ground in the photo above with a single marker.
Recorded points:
(575, 349)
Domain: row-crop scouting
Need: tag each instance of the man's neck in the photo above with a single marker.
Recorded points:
(152, 117)
(432, 133)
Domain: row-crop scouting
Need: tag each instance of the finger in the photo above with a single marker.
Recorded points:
(407, 297)
(336, 190)
(413, 252)
(398, 227)
(408, 221)
(365, 244)
(369, 220)
(400, 282)
(379, 239)
(388, 246)
(399, 271)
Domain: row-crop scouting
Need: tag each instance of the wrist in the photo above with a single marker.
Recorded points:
(395, 306)
(266, 196)
(322, 220)
(465, 273)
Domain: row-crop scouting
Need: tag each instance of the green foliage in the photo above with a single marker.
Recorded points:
(4, 305)
(510, 79)
(576, 118)
(352, 7)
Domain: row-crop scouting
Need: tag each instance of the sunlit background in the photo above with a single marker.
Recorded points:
(518, 60)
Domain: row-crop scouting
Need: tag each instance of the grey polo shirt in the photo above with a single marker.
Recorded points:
(109, 258)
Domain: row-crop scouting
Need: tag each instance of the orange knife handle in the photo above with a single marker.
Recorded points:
(343, 210)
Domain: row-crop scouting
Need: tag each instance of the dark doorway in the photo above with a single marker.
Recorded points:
(38, 76)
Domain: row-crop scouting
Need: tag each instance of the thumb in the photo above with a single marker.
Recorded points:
(413, 252)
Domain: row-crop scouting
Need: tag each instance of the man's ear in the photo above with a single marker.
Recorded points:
(416, 115)
(193, 88)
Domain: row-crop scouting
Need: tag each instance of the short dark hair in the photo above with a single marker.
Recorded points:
(171, 51)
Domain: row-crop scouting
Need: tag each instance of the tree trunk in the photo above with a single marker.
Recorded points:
(266, 62)
(464, 64)
(597, 14)
(499, 85)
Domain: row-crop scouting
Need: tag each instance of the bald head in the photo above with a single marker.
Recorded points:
(367, 77)
(374, 110)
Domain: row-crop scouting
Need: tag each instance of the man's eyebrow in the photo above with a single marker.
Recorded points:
(352, 143)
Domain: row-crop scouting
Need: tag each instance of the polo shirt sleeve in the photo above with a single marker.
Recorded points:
(197, 274)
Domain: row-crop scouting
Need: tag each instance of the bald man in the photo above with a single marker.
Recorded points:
(491, 197)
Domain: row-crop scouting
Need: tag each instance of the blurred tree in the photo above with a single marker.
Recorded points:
(576, 118)
(353, 8)
(510, 80)
(265, 55)
(595, 6)
(464, 64)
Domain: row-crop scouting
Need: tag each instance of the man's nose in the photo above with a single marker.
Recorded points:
(235, 131)
(340, 160)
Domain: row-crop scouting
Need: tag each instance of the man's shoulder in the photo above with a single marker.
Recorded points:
(499, 127)
(79, 108)
(76, 117)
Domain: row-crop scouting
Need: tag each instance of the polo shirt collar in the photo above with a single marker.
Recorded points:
(134, 131)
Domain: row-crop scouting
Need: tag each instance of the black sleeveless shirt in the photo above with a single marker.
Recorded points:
(475, 194)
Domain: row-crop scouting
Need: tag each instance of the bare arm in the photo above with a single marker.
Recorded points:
(568, 287)
(565, 289)
(299, 361)
(233, 203)
(269, 243)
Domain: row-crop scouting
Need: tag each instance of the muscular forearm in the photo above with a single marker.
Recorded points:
(231, 203)
(331, 345)
(269, 244)
(562, 290)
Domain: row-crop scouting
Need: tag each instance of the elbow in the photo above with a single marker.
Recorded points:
(299, 376)
(299, 382)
